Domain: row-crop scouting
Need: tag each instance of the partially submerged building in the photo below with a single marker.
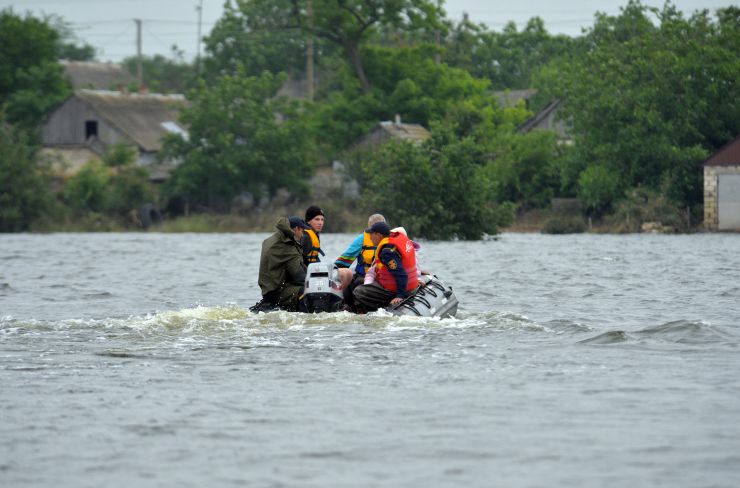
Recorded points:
(722, 188)
(91, 120)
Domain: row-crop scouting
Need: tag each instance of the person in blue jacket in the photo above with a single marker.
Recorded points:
(361, 250)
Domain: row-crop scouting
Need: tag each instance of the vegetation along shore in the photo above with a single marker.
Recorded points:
(445, 126)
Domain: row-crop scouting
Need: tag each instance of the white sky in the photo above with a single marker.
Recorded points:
(108, 24)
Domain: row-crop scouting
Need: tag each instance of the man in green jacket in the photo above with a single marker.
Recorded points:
(282, 272)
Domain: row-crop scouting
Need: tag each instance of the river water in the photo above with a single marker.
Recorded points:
(575, 361)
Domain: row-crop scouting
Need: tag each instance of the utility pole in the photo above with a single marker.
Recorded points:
(199, 8)
(139, 69)
(309, 50)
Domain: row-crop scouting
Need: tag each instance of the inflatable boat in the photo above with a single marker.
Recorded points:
(432, 298)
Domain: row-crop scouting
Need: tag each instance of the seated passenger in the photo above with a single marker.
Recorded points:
(361, 250)
(282, 272)
(311, 239)
(395, 270)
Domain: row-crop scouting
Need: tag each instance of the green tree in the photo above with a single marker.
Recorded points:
(347, 24)
(24, 180)
(436, 190)
(648, 102)
(236, 143)
(164, 75)
(508, 58)
(31, 80)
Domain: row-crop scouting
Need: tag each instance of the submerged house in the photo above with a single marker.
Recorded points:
(91, 120)
(722, 188)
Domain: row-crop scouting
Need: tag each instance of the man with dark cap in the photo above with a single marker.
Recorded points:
(282, 272)
(395, 269)
(311, 240)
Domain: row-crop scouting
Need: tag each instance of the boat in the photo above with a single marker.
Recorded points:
(432, 298)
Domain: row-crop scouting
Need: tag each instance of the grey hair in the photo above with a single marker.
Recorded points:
(374, 219)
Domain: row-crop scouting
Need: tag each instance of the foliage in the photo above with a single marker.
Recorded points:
(237, 145)
(87, 190)
(239, 40)
(648, 102)
(115, 187)
(508, 58)
(641, 205)
(162, 74)
(69, 46)
(401, 177)
(525, 168)
(24, 185)
(347, 24)
(598, 187)
(31, 80)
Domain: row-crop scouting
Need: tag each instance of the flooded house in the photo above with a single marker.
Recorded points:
(90, 121)
(722, 188)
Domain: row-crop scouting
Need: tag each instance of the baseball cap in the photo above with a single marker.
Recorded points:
(297, 222)
(381, 228)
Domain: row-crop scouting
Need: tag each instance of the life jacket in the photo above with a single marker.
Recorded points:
(313, 253)
(366, 256)
(405, 249)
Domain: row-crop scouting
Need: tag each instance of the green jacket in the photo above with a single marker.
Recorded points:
(281, 261)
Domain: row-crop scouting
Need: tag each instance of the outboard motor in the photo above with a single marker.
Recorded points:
(322, 293)
(432, 299)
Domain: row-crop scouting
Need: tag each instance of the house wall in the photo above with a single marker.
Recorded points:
(66, 126)
(711, 194)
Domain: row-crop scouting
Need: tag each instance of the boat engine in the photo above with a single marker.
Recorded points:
(321, 292)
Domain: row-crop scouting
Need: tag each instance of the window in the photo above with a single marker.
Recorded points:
(91, 129)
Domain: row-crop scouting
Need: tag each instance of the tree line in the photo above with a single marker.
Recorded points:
(647, 95)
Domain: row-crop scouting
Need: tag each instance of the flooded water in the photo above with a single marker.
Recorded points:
(575, 361)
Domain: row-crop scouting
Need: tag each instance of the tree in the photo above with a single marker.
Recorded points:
(236, 143)
(239, 40)
(24, 185)
(649, 102)
(348, 24)
(436, 190)
(508, 58)
(31, 80)
(165, 75)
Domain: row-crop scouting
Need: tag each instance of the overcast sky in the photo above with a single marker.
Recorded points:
(108, 24)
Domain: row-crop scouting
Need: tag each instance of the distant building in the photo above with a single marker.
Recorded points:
(91, 120)
(96, 76)
(722, 188)
(391, 130)
(546, 119)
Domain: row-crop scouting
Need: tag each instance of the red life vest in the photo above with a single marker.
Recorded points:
(405, 248)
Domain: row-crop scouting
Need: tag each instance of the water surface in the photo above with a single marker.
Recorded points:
(575, 361)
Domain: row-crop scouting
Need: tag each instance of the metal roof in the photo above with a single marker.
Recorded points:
(410, 132)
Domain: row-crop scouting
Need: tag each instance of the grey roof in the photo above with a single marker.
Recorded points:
(141, 117)
(409, 132)
(535, 121)
(97, 76)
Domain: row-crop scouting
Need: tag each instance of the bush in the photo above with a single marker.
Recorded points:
(598, 188)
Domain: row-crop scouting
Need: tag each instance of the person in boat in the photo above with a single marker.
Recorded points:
(396, 272)
(311, 238)
(282, 272)
(370, 272)
(362, 250)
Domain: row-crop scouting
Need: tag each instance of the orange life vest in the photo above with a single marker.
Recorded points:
(405, 249)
